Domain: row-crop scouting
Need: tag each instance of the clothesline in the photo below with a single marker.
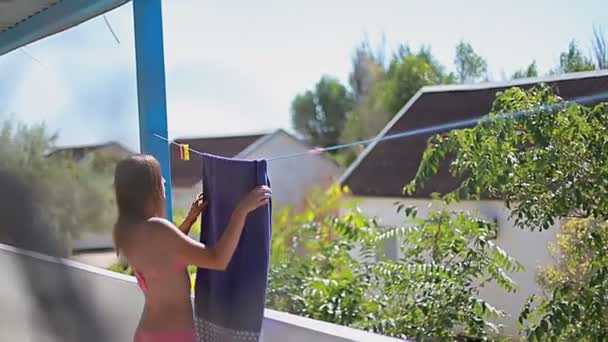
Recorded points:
(424, 130)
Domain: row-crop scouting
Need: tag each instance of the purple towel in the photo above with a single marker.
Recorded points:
(229, 305)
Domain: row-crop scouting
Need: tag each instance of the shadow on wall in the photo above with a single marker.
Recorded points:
(64, 309)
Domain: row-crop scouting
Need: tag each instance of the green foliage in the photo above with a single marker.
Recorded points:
(381, 92)
(470, 67)
(577, 308)
(368, 116)
(576, 252)
(380, 88)
(433, 288)
(120, 268)
(530, 71)
(570, 313)
(320, 114)
(406, 74)
(312, 271)
(327, 264)
(367, 70)
(574, 60)
(546, 163)
(104, 162)
(72, 196)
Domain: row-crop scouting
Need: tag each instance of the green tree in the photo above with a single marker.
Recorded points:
(530, 71)
(470, 67)
(71, 197)
(388, 89)
(573, 60)
(320, 114)
(600, 48)
(406, 74)
(367, 70)
(368, 115)
(546, 163)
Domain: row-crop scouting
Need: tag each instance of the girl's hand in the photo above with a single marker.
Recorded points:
(198, 206)
(255, 199)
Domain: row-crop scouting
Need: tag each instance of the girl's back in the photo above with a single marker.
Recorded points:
(164, 280)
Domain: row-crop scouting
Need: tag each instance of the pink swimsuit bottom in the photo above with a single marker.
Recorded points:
(186, 335)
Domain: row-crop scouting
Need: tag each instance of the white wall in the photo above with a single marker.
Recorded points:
(291, 179)
(117, 302)
(529, 248)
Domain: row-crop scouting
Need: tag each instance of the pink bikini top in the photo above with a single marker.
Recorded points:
(141, 280)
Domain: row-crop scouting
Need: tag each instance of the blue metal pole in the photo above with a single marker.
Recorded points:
(147, 17)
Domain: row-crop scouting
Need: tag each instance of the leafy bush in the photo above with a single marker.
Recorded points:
(546, 158)
(543, 156)
(577, 307)
(574, 259)
(328, 264)
(313, 272)
(72, 196)
(433, 288)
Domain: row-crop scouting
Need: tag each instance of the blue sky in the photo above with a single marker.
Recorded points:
(233, 67)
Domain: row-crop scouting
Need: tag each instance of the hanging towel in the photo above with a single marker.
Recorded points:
(229, 305)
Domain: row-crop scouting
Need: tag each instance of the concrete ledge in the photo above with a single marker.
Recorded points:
(118, 301)
(66, 262)
(283, 324)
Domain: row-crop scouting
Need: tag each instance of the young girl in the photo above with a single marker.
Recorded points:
(159, 252)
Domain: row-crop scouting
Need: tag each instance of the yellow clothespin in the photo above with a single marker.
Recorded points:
(184, 151)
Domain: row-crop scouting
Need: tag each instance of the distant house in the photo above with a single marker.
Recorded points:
(291, 179)
(82, 152)
(378, 176)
